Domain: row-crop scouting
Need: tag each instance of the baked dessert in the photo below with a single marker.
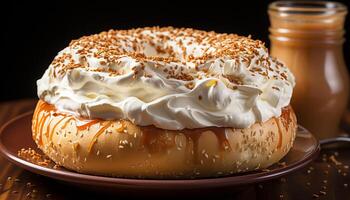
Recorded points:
(164, 103)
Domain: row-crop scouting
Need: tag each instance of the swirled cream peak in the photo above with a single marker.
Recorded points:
(167, 77)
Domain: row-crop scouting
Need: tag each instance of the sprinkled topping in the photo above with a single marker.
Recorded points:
(189, 48)
(34, 157)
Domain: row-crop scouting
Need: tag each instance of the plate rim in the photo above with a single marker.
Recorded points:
(87, 179)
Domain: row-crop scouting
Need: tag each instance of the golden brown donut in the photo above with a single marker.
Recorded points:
(122, 149)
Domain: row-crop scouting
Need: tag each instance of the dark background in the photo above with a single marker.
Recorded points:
(34, 32)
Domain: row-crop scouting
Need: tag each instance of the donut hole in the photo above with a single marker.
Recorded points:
(154, 51)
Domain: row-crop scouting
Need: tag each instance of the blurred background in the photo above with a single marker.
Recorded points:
(34, 32)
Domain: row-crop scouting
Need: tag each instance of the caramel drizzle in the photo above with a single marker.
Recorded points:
(37, 127)
(279, 134)
(286, 120)
(194, 139)
(66, 123)
(153, 138)
(41, 125)
(46, 108)
(55, 126)
(222, 138)
(38, 109)
(286, 117)
(47, 133)
(99, 132)
(42, 107)
(87, 125)
(42, 121)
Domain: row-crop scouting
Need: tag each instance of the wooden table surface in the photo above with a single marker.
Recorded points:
(325, 178)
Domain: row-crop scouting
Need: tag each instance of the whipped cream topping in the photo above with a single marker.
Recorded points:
(167, 77)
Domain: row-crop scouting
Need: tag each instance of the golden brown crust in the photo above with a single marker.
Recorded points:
(121, 148)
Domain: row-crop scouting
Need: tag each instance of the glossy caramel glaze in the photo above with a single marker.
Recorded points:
(121, 148)
(153, 139)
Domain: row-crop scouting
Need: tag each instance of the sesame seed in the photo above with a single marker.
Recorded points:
(110, 46)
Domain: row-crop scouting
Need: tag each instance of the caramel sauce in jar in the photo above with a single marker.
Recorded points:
(308, 38)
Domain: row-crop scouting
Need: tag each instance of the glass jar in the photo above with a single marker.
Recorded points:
(308, 37)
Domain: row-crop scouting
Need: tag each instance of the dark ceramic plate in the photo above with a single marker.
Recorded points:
(16, 134)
